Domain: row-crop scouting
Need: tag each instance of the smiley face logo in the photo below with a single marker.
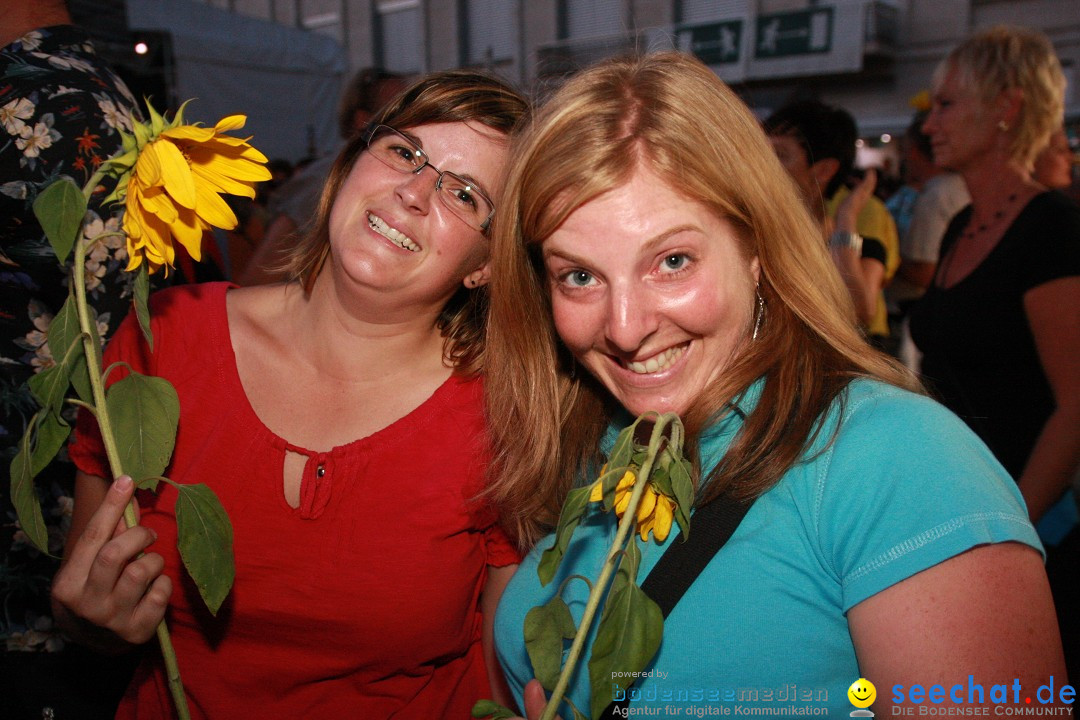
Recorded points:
(862, 693)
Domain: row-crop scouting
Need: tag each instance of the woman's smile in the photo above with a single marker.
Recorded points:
(651, 292)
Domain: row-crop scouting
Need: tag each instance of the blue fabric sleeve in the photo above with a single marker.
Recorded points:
(879, 512)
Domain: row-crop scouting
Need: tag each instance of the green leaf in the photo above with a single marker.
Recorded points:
(142, 309)
(628, 565)
(60, 208)
(50, 386)
(23, 497)
(627, 638)
(546, 626)
(144, 411)
(65, 345)
(660, 479)
(572, 510)
(205, 539)
(52, 432)
(577, 714)
(489, 708)
(65, 333)
(157, 123)
(142, 134)
(683, 488)
(64, 330)
(623, 448)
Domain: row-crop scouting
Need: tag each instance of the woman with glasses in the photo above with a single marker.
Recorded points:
(339, 419)
(651, 253)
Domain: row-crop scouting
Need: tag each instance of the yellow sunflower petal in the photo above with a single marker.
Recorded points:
(597, 493)
(134, 260)
(230, 122)
(662, 517)
(645, 507)
(188, 231)
(191, 133)
(148, 168)
(222, 183)
(143, 229)
(175, 173)
(213, 209)
(229, 164)
(622, 501)
(234, 148)
(157, 202)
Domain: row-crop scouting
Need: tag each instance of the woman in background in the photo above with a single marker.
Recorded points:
(999, 327)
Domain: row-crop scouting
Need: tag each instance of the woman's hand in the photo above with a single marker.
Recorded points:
(107, 594)
(535, 701)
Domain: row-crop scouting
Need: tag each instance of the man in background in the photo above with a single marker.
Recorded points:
(816, 145)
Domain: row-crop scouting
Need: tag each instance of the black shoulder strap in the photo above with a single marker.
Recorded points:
(711, 526)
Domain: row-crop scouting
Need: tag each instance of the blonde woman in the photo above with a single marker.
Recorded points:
(339, 418)
(652, 254)
(999, 327)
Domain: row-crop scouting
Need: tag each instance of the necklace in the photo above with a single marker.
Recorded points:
(970, 233)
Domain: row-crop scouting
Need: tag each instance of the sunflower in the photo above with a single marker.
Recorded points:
(174, 176)
(655, 510)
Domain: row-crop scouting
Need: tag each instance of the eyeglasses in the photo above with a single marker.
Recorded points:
(458, 195)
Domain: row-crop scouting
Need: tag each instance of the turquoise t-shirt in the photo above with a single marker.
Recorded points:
(903, 486)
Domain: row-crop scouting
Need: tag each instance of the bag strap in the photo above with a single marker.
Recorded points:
(712, 526)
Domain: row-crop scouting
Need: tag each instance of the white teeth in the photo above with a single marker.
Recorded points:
(657, 363)
(400, 239)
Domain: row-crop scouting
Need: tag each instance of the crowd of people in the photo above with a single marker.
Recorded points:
(440, 329)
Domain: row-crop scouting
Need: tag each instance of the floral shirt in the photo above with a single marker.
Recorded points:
(60, 110)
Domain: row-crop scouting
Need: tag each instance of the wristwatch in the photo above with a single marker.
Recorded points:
(841, 239)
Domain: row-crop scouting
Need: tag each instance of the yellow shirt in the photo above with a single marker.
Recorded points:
(875, 221)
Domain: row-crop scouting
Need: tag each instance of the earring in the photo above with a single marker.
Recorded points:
(759, 314)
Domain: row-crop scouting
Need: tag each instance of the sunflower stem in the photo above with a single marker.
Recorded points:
(93, 365)
(92, 183)
(614, 558)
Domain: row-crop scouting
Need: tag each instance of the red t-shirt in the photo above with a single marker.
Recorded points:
(362, 602)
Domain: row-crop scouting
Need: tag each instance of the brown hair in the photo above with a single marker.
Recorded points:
(443, 97)
(1004, 58)
(672, 113)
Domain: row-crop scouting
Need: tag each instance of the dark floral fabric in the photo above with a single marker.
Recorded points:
(60, 112)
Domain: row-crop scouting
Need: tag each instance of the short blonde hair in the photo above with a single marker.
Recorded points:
(671, 113)
(1004, 58)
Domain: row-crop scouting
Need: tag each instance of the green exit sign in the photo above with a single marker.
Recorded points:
(714, 43)
(803, 32)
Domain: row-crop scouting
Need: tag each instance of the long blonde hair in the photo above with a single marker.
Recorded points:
(672, 113)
